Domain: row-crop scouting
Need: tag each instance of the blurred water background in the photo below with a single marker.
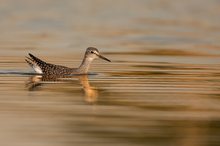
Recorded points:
(162, 87)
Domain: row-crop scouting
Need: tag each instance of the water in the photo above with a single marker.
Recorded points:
(162, 87)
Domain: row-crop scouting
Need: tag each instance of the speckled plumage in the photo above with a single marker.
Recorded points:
(43, 67)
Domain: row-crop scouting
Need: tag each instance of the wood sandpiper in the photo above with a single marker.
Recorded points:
(45, 68)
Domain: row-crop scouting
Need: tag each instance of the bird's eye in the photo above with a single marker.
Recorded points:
(92, 52)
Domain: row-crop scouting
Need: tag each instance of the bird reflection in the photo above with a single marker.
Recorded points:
(91, 93)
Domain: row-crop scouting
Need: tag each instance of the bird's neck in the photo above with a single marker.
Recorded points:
(84, 67)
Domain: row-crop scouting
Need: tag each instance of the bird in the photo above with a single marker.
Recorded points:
(42, 67)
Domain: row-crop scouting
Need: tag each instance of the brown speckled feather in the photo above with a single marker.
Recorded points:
(41, 66)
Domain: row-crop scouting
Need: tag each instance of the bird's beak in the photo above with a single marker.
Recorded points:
(100, 56)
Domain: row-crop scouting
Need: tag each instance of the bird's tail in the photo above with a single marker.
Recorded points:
(35, 63)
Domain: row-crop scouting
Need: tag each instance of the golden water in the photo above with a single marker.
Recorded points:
(162, 87)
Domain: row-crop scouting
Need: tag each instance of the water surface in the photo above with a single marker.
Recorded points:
(162, 87)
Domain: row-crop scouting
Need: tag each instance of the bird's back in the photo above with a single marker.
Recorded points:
(43, 67)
